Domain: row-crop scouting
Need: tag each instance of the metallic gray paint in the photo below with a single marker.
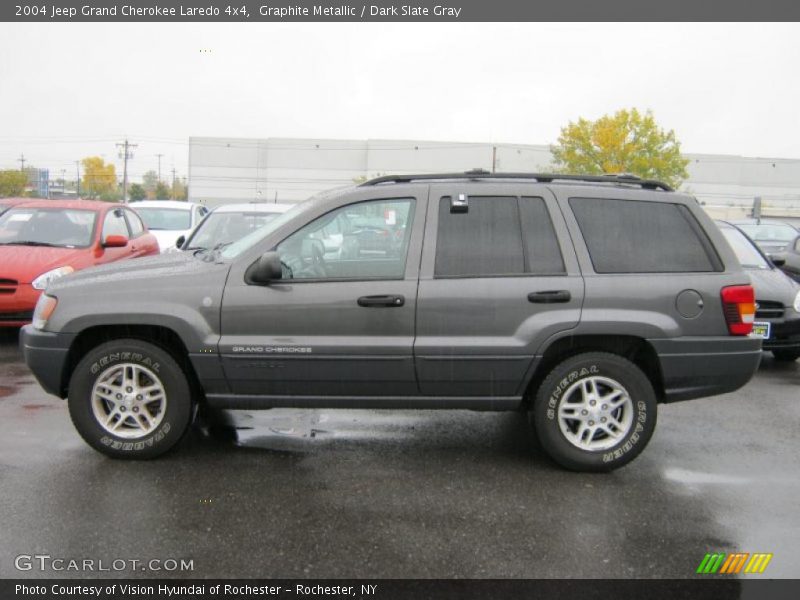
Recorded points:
(471, 342)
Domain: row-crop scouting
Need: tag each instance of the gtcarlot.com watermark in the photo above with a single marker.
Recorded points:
(57, 564)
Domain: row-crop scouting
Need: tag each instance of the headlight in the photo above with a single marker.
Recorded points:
(44, 310)
(796, 304)
(40, 283)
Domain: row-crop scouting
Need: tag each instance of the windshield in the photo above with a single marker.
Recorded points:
(256, 236)
(745, 251)
(770, 232)
(61, 227)
(227, 227)
(170, 219)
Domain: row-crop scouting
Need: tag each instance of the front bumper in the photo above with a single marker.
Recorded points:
(16, 308)
(784, 335)
(46, 355)
(706, 366)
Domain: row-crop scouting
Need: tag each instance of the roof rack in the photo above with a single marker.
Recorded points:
(624, 178)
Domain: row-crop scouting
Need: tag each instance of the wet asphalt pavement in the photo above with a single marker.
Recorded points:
(429, 494)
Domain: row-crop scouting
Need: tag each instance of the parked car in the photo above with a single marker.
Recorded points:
(584, 300)
(770, 235)
(788, 260)
(777, 318)
(6, 203)
(229, 223)
(168, 220)
(43, 240)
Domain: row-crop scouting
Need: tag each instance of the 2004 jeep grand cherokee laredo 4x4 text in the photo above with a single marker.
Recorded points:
(583, 300)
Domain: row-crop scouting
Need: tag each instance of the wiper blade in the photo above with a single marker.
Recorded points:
(30, 243)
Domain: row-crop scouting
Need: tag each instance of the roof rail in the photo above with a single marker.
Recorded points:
(624, 178)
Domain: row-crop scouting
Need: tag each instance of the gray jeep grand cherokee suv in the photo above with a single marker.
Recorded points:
(585, 301)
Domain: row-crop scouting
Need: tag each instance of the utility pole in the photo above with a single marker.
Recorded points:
(21, 160)
(172, 195)
(159, 165)
(125, 152)
(494, 158)
(78, 180)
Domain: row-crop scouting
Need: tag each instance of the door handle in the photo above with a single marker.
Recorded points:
(549, 297)
(390, 300)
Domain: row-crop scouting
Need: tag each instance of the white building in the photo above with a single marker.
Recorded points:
(224, 170)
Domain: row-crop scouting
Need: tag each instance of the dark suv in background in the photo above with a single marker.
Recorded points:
(585, 301)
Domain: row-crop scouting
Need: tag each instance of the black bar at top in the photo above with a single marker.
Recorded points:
(388, 11)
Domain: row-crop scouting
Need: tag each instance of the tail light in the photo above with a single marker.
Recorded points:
(739, 306)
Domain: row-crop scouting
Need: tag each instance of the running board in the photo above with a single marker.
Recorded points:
(255, 402)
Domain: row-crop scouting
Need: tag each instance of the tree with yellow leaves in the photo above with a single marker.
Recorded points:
(625, 142)
(99, 178)
(12, 183)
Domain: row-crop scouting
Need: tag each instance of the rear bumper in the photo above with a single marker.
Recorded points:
(698, 367)
(46, 355)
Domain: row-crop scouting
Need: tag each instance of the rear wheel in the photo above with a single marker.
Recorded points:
(594, 412)
(130, 399)
(786, 355)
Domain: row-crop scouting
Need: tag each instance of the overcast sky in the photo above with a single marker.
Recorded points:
(70, 89)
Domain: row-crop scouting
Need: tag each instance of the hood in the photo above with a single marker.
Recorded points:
(773, 285)
(26, 263)
(167, 237)
(161, 267)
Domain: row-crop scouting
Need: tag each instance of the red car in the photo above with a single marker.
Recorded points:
(44, 239)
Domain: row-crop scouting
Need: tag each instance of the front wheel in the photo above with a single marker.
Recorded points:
(594, 412)
(130, 399)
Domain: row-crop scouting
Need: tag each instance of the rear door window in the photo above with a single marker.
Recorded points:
(497, 236)
(632, 236)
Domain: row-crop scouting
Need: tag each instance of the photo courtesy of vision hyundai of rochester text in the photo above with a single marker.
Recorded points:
(586, 301)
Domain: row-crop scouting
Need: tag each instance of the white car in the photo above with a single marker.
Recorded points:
(230, 223)
(168, 220)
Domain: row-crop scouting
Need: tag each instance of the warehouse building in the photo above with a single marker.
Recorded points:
(226, 170)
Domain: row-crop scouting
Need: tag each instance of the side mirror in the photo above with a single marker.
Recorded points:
(115, 241)
(778, 259)
(180, 241)
(265, 269)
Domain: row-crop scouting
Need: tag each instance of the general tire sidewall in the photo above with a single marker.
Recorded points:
(567, 373)
(176, 416)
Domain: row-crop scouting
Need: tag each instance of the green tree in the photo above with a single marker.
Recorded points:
(99, 178)
(137, 192)
(12, 182)
(149, 182)
(625, 142)
(162, 191)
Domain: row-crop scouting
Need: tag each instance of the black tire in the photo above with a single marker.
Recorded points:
(560, 383)
(786, 355)
(176, 416)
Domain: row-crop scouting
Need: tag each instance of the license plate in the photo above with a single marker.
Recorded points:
(761, 330)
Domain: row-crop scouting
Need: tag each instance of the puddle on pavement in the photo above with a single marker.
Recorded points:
(299, 427)
(688, 477)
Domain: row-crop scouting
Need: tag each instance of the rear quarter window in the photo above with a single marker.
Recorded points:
(633, 236)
